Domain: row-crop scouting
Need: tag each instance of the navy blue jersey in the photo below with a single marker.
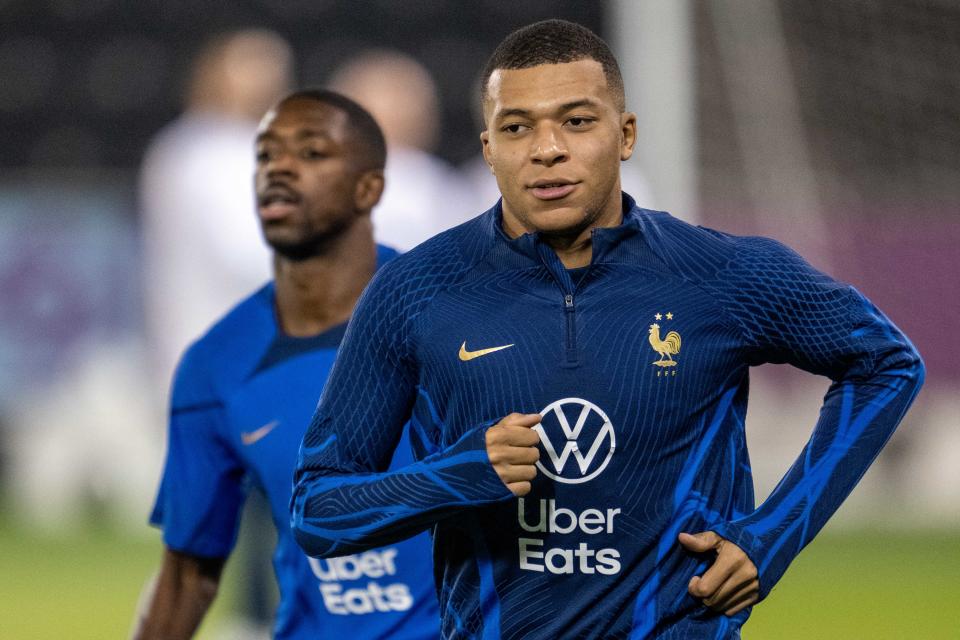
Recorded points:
(638, 365)
(242, 398)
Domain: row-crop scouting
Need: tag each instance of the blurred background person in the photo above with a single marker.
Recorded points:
(424, 194)
(202, 248)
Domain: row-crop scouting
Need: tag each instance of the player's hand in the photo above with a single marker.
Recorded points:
(731, 583)
(512, 449)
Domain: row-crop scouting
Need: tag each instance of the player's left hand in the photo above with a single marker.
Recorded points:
(731, 583)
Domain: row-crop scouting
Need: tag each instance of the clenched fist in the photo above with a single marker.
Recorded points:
(512, 449)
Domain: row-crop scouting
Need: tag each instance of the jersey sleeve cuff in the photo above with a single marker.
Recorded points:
(484, 482)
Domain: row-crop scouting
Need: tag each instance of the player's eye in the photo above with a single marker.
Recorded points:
(579, 122)
(513, 128)
(313, 154)
(263, 156)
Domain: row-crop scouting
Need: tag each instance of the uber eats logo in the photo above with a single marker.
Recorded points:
(578, 440)
(359, 599)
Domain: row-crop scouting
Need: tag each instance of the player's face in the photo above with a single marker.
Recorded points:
(554, 140)
(306, 177)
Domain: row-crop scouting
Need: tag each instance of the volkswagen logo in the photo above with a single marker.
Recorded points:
(589, 443)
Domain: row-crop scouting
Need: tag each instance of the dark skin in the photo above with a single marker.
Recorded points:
(314, 193)
(555, 138)
(179, 596)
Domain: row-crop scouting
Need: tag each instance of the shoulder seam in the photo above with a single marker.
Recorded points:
(730, 319)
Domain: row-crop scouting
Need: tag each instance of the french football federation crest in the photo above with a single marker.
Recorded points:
(667, 347)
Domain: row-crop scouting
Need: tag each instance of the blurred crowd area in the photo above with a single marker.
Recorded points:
(126, 207)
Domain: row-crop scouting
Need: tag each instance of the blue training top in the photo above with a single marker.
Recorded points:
(639, 366)
(242, 398)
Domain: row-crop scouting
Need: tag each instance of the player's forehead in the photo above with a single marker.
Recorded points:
(546, 87)
(304, 117)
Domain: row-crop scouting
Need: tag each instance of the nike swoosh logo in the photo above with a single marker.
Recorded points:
(470, 355)
(250, 437)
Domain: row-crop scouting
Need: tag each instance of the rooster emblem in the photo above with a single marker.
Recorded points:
(667, 347)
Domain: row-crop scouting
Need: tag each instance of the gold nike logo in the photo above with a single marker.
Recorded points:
(250, 437)
(470, 355)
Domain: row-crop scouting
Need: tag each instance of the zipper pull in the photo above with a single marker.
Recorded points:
(568, 301)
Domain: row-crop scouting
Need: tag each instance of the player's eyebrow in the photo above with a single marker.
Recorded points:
(563, 108)
(506, 113)
(302, 134)
(576, 104)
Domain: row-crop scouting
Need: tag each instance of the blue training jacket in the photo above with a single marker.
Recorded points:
(639, 366)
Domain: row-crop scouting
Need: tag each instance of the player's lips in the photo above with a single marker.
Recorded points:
(552, 189)
(277, 201)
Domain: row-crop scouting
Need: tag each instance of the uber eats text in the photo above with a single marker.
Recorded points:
(363, 598)
(546, 517)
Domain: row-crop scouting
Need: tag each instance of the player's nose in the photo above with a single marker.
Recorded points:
(281, 162)
(548, 147)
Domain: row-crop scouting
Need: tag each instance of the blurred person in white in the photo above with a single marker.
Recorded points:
(202, 244)
(424, 195)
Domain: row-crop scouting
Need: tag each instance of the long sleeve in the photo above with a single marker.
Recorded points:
(789, 312)
(344, 500)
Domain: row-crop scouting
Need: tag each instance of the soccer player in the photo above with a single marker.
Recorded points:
(245, 391)
(575, 371)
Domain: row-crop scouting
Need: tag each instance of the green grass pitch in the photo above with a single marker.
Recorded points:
(845, 586)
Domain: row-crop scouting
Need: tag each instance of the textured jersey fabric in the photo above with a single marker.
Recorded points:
(242, 398)
(639, 367)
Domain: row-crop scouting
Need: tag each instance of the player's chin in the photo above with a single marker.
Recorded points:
(288, 244)
(277, 233)
(559, 220)
(278, 226)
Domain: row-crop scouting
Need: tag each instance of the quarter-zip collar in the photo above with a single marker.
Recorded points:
(604, 240)
(530, 249)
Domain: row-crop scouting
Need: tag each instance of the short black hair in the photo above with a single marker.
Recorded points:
(554, 42)
(372, 147)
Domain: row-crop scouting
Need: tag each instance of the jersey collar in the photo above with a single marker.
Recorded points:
(606, 240)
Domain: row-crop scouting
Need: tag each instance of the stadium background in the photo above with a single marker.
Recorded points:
(833, 126)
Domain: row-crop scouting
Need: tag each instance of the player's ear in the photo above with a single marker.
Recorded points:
(485, 141)
(369, 188)
(628, 134)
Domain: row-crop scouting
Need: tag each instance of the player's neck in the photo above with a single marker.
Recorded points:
(573, 252)
(319, 293)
